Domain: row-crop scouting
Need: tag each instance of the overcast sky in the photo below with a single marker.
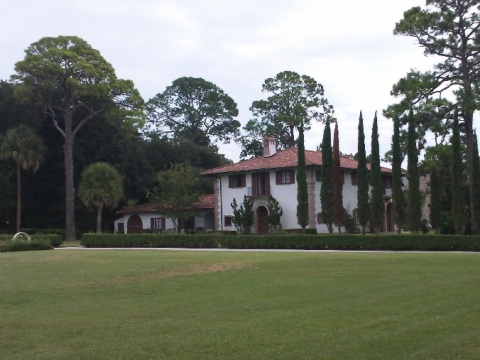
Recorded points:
(348, 46)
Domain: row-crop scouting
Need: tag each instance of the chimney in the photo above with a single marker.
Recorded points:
(269, 146)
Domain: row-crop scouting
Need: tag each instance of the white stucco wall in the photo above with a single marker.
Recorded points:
(286, 195)
(145, 217)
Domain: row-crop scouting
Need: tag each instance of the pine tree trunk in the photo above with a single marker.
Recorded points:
(19, 198)
(69, 187)
(99, 219)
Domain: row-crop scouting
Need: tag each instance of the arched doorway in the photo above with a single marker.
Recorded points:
(134, 225)
(262, 214)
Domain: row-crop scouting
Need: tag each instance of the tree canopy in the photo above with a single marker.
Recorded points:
(178, 188)
(295, 99)
(100, 186)
(74, 84)
(447, 30)
(194, 110)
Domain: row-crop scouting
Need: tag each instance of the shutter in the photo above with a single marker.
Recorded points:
(254, 184)
(278, 177)
(230, 181)
(267, 183)
(243, 180)
(163, 223)
(292, 176)
(152, 223)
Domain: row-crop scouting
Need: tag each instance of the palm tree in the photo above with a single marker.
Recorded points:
(26, 148)
(100, 185)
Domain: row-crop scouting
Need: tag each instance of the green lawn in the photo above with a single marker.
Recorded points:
(148, 304)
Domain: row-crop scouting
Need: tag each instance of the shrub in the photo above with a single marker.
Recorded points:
(26, 246)
(288, 241)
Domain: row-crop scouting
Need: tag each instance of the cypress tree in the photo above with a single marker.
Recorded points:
(398, 196)
(476, 187)
(338, 210)
(362, 178)
(326, 191)
(458, 195)
(302, 194)
(414, 210)
(377, 205)
(435, 200)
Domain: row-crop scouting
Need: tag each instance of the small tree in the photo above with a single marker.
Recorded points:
(243, 215)
(435, 201)
(338, 209)
(275, 213)
(414, 210)
(178, 189)
(398, 196)
(458, 194)
(476, 187)
(25, 147)
(362, 178)
(377, 206)
(100, 186)
(326, 192)
(302, 193)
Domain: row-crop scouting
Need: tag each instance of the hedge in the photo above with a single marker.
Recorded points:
(393, 242)
(25, 246)
(53, 239)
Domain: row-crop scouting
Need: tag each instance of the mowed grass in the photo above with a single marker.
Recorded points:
(150, 304)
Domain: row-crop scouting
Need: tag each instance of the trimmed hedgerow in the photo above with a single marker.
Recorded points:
(54, 239)
(387, 242)
(26, 246)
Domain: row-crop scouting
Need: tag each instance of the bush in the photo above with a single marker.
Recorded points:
(25, 246)
(288, 241)
(53, 239)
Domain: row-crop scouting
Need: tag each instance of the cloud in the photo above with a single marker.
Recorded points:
(348, 46)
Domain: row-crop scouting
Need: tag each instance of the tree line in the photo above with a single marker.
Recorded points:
(78, 112)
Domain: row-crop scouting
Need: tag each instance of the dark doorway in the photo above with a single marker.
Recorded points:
(262, 226)
(134, 224)
(389, 217)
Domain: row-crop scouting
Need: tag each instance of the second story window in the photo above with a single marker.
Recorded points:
(237, 181)
(261, 183)
(354, 178)
(285, 177)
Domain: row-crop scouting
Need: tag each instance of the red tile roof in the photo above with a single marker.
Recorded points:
(205, 202)
(283, 159)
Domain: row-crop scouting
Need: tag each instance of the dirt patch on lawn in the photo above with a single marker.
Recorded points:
(160, 275)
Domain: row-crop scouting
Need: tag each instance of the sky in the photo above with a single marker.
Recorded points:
(347, 46)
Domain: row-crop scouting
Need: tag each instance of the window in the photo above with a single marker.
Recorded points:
(261, 183)
(237, 181)
(354, 178)
(318, 175)
(157, 223)
(387, 182)
(355, 216)
(285, 177)
(227, 221)
(319, 218)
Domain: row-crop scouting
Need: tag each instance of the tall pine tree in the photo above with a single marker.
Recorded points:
(338, 210)
(398, 196)
(458, 194)
(302, 194)
(362, 178)
(414, 209)
(377, 205)
(326, 192)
